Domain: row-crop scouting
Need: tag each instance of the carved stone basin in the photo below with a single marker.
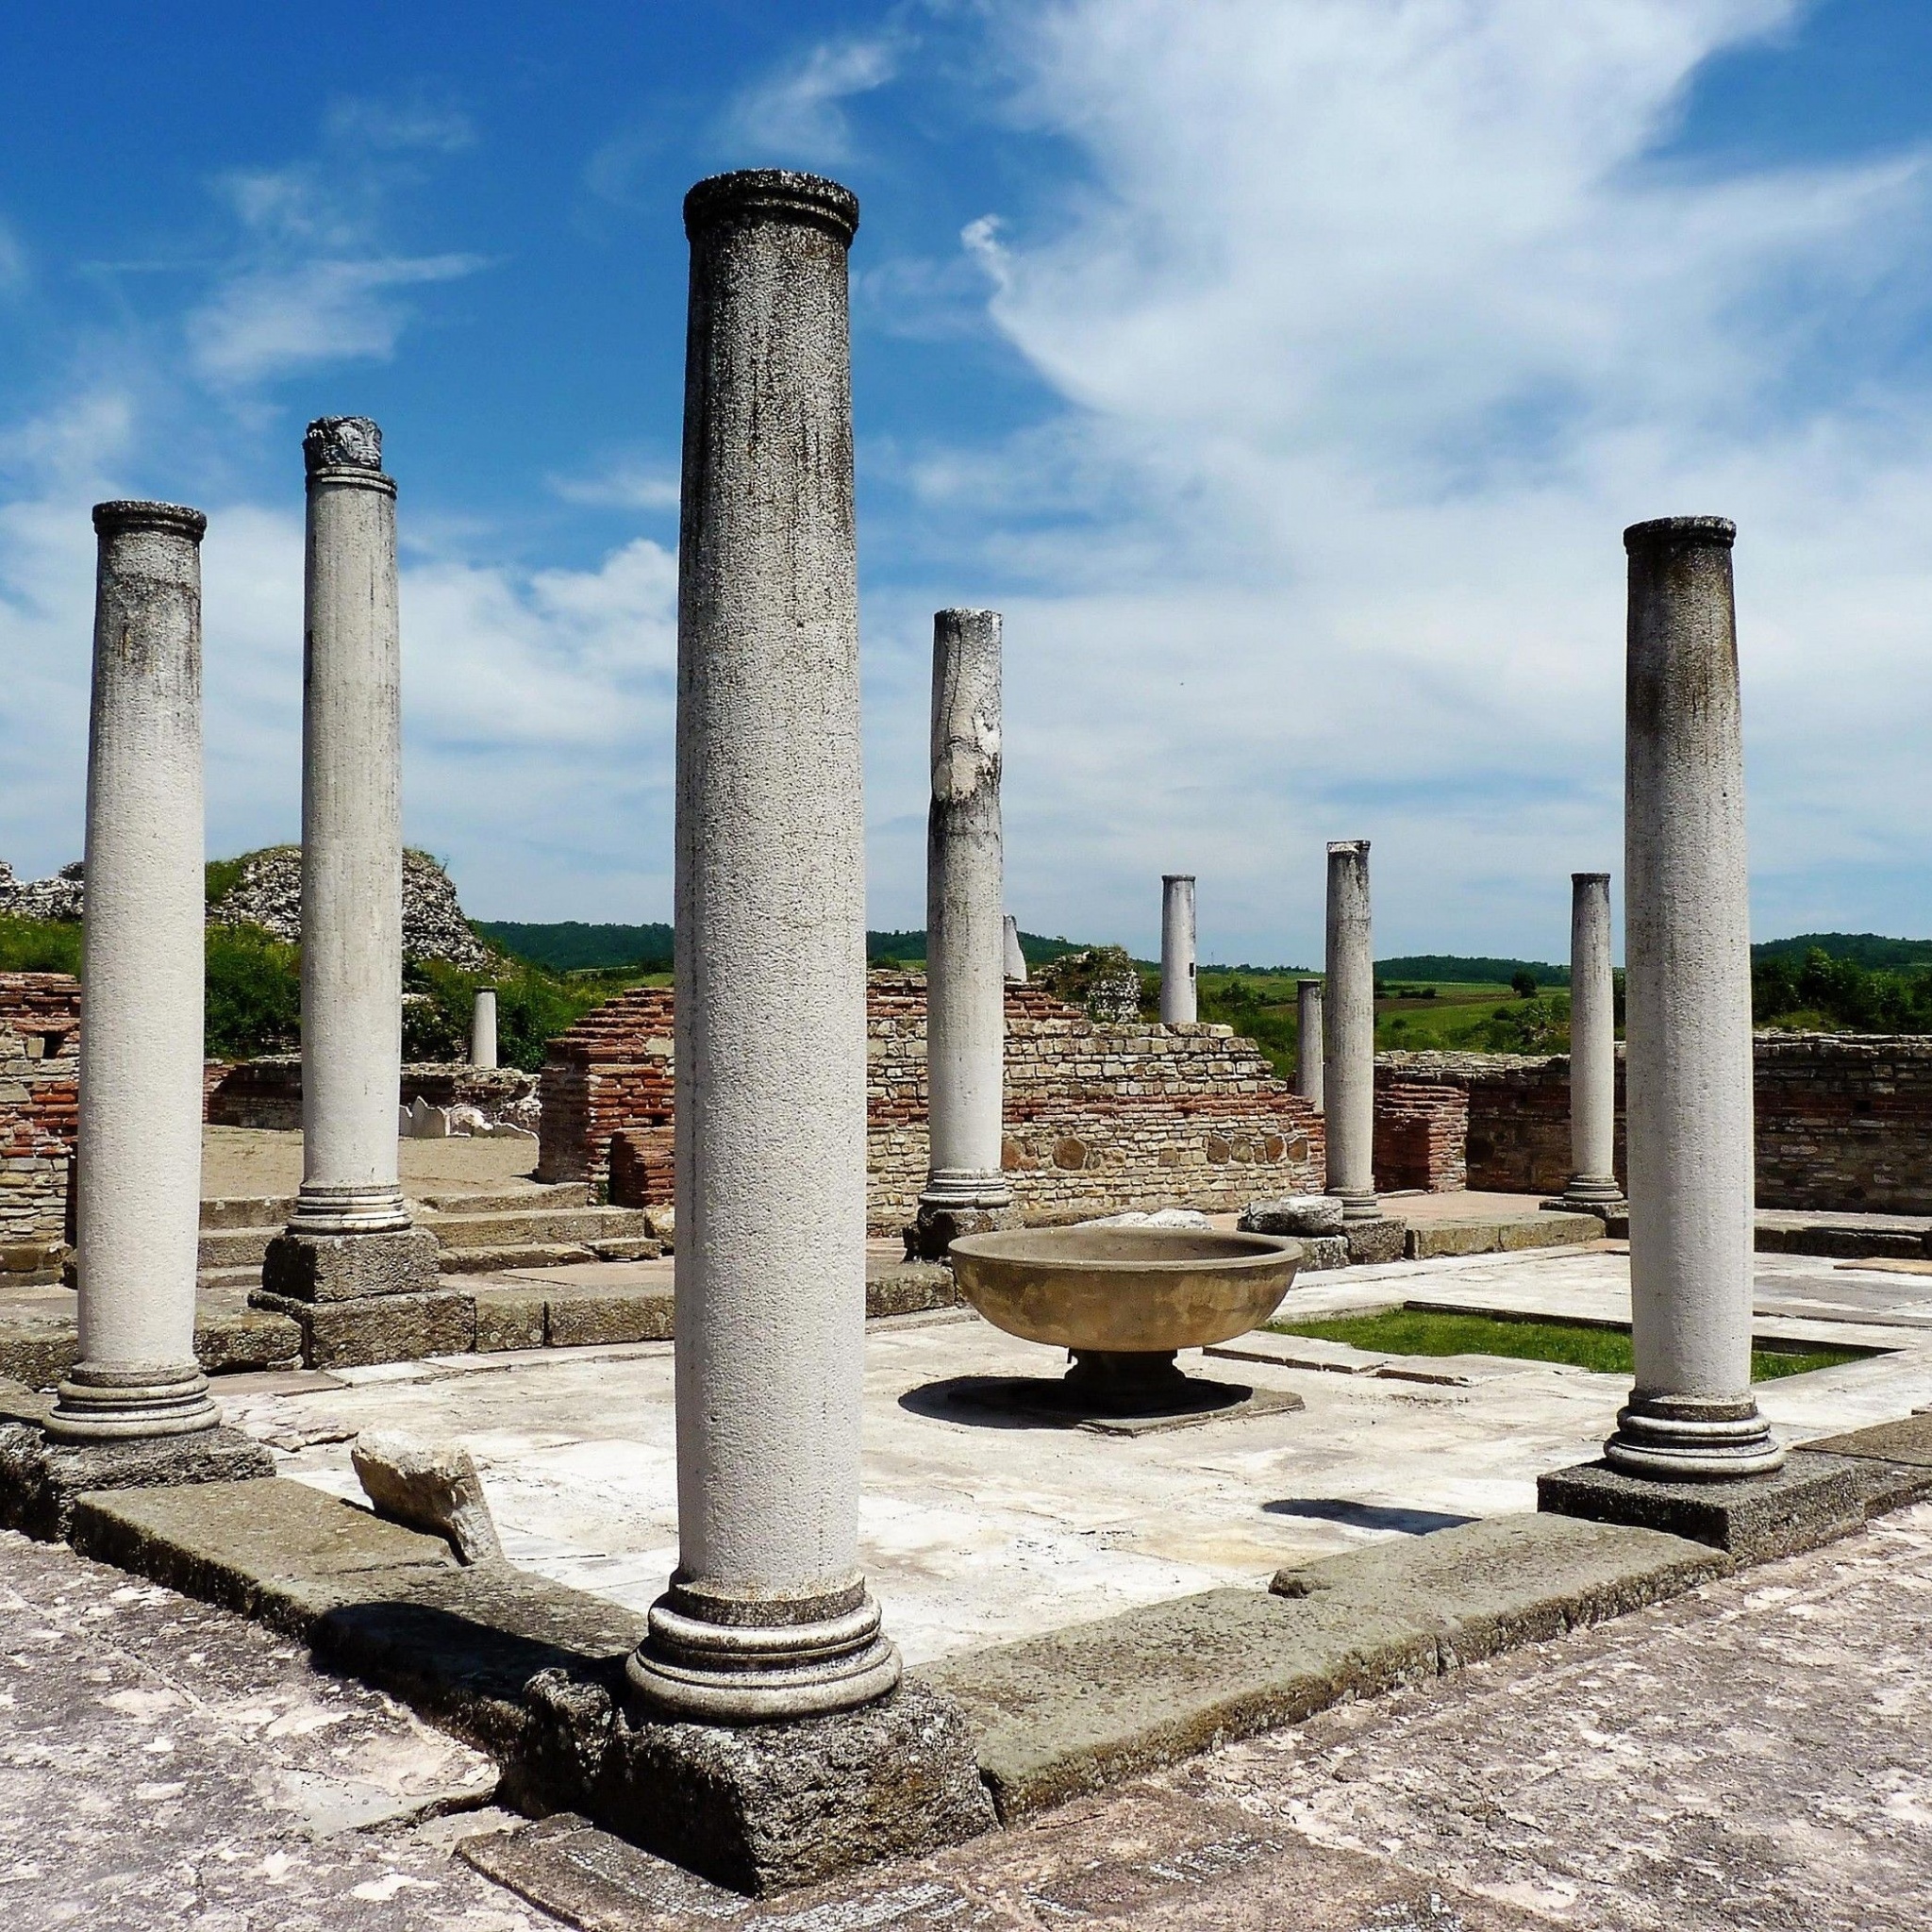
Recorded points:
(1125, 1299)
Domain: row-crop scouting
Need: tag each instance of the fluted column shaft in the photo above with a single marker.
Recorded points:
(1348, 1057)
(965, 929)
(767, 1615)
(1688, 985)
(139, 1150)
(1179, 1004)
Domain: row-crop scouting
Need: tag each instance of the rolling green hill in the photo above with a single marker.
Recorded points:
(569, 945)
(1456, 969)
(1867, 948)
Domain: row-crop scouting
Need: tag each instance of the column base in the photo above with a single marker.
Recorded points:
(348, 1210)
(772, 1807)
(42, 1477)
(1584, 1193)
(1692, 1438)
(704, 1662)
(307, 1267)
(97, 1403)
(948, 1211)
(1813, 1499)
(1358, 1204)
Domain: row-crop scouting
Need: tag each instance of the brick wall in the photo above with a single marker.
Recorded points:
(39, 1064)
(1845, 1122)
(1422, 1135)
(1097, 1118)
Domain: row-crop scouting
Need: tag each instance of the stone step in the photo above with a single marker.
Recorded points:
(490, 1260)
(235, 1247)
(244, 1275)
(547, 1194)
(575, 1225)
(248, 1211)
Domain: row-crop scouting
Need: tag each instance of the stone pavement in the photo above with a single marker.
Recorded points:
(1754, 1755)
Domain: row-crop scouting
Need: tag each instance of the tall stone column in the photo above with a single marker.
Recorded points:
(483, 1028)
(138, 1149)
(1308, 1043)
(1348, 1053)
(1593, 1049)
(966, 1191)
(1016, 958)
(349, 1235)
(1178, 1001)
(767, 1615)
(1688, 989)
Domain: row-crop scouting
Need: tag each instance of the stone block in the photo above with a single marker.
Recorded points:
(1894, 1461)
(278, 1551)
(1813, 1499)
(909, 1289)
(1370, 1243)
(43, 1478)
(587, 1317)
(382, 1328)
(508, 1318)
(434, 1487)
(351, 1267)
(1293, 1214)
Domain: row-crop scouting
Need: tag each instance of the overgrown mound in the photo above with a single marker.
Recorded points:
(1103, 979)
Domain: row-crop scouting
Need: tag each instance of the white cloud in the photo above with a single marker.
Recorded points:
(798, 113)
(625, 483)
(1374, 323)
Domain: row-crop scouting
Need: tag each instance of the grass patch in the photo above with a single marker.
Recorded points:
(1422, 1331)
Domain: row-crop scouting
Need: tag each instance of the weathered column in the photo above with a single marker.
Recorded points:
(349, 1234)
(1016, 958)
(139, 1150)
(966, 1191)
(1308, 1043)
(1593, 1049)
(483, 1028)
(1178, 1007)
(1688, 990)
(1348, 1050)
(767, 1615)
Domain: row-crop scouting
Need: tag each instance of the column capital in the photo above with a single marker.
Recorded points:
(771, 194)
(1717, 533)
(121, 514)
(1357, 848)
(1590, 879)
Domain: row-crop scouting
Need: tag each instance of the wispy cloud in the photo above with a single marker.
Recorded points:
(798, 112)
(625, 483)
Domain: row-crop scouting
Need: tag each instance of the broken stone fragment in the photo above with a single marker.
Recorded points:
(1189, 1218)
(428, 1486)
(1293, 1214)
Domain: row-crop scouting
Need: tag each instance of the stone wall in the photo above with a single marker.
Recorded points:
(1098, 1118)
(40, 1066)
(267, 1093)
(1845, 1122)
(1421, 1136)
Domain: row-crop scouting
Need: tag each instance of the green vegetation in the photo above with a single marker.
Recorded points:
(1866, 948)
(38, 945)
(571, 946)
(1456, 969)
(1823, 993)
(1607, 1351)
(533, 1006)
(254, 993)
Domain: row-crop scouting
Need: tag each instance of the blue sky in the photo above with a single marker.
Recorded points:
(1284, 369)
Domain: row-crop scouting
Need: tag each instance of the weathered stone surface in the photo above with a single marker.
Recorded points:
(428, 1486)
(1813, 1499)
(1487, 1586)
(1320, 1250)
(1293, 1214)
(41, 1479)
(910, 1288)
(1378, 1240)
(380, 1328)
(508, 1318)
(1084, 1707)
(578, 1318)
(1429, 1240)
(271, 1549)
(770, 1806)
(350, 1267)
(1894, 1461)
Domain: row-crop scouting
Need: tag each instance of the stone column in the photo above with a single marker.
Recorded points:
(349, 1234)
(965, 1190)
(1178, 1007)
(1593, 1049)
(1016, 958)
(767, 1615)
(1348, 1047)
(1688, 985)
(1307, 1044)
(138, 1149)
(483, 1028)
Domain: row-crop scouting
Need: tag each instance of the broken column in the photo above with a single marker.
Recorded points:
(1348, 1052)
(349, 1236)
(1308, 1043)
(1690, 1452)
(965, 1190)
(1016, 958)
(1593, 1186)
(134, 1408)
(483, 1028)
(767, 1626)
(139, 1147)
(1178, 1006)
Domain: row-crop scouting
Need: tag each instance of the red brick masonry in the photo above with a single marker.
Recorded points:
(40, 1063)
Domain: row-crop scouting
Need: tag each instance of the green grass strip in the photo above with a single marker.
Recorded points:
(1417, 1331)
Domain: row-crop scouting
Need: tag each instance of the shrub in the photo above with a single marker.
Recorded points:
(254, 993)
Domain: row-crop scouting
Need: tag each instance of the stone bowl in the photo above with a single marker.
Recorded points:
(1124, 1291)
